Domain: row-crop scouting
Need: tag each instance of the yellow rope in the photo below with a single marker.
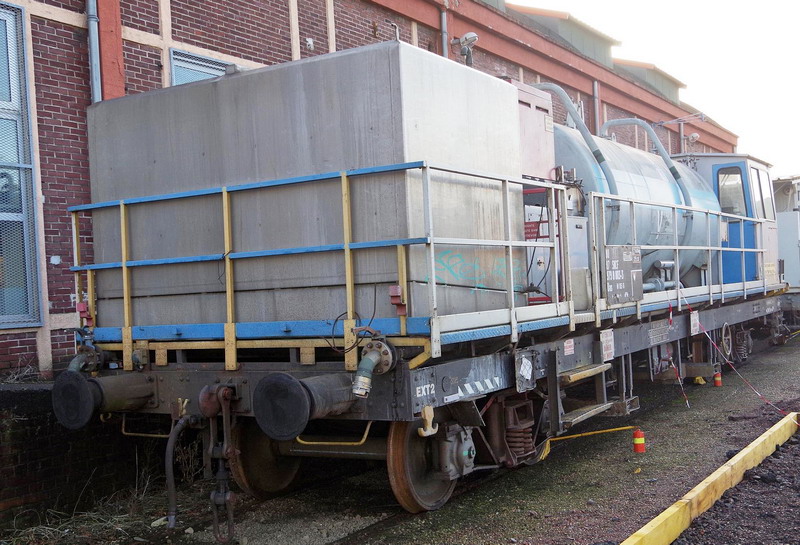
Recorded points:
(591, 433)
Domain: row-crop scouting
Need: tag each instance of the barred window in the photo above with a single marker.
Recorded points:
(187, 67)
(19, 301)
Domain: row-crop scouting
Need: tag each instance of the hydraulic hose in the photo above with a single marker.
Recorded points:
(172, 499)
(363, 381)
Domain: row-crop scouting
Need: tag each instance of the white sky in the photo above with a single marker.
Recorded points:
(740, 61)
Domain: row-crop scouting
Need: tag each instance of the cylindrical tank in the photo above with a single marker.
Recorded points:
(642, 175)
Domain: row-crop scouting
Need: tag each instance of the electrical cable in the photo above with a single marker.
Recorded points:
(735, 370)
(332, 341)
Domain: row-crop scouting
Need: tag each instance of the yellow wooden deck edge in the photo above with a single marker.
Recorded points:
(670, 524)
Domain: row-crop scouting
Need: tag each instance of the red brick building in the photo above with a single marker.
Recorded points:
(46, 86)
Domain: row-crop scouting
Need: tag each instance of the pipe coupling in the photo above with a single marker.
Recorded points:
(376, 358)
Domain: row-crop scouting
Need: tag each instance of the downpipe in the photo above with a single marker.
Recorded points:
(445, 38)
(92, 23)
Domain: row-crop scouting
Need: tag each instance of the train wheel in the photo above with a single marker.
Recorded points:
(726, 340)
(410, 461)
(258, 469)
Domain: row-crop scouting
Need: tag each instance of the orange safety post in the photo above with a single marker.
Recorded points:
(638, 441)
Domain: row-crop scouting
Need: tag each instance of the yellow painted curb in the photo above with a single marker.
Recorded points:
(670, 524)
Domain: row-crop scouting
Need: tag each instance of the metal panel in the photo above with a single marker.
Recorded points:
(643, 336)
(378, 105)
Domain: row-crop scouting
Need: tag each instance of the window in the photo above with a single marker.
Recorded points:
(755, 187)
(731, 194)
(19, 301)
(187, 67)
(766, 193)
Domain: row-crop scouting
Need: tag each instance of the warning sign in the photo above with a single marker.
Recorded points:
(694, 322)
(607, 342)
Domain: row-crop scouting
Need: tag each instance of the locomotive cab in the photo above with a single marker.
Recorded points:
(743, 187)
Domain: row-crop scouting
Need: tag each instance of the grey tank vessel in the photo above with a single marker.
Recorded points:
(384, 104)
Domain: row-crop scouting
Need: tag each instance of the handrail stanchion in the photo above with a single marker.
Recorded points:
(635, 242)
(566, 267)
(762, 253)
(720, 224)
(509, 262)
(436, 340)
(350, 356)
(231, 361)
(709, 258)
(127, 311)
(402, 281)
(76, 257)
(676, 269)
(551, 231)
(744, 258)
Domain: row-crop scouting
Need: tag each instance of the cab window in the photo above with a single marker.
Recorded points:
(755, 187)
(766, 193)
(731, 192)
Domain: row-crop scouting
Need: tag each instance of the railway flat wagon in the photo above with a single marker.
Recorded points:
(383, 254)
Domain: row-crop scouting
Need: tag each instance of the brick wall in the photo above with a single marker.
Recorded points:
(625, 134)
(62, 348)
(17, 350)
(312, 25)
(428, 38)
(62, 95)
(140, 14)
(142, 68)
(73, 5)
(361, 23)
(560, 112)
(45, 466)
(254, 31)
(491, 64)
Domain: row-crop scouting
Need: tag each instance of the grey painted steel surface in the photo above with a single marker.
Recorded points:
(383, 104)
(641, 175)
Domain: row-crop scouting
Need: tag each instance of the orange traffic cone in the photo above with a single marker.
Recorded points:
(717, 379)
(638, 441)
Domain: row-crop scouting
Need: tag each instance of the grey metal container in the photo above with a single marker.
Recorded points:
(383, 104)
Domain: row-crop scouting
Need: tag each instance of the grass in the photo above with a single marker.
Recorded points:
(24, 372)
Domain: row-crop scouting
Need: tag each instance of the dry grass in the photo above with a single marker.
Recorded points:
(25, 371)
(189, 458)
(117, 518)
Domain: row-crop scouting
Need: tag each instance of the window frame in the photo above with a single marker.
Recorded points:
(766, 183)
(720, 173)
(18, 110)
(755, 190)
(198, 63)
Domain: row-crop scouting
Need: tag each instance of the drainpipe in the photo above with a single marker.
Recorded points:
(581, 126)
(596, 102)
(445, 40)
(94, 51)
